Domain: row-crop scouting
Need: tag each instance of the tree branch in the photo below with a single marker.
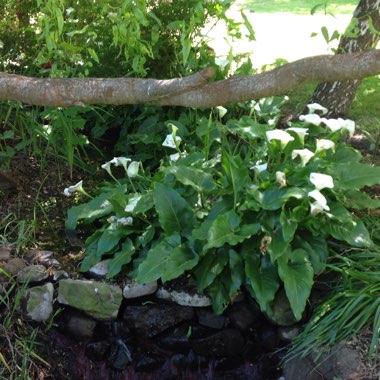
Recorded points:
(193, 91)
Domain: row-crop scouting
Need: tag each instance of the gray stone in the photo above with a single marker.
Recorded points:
(60, 275)
(13, 266)
(300, 368)
(282, 314)
(208, 319)
(37, 303)
(5, 253)
(97, 299)
(80, 327)
(184, 298)
(243, 314)
(99, 270)
(288, 333)
(32, 273)
(133, 290)
(39, 256)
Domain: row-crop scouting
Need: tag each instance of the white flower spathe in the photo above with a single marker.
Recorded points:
(338, 124)
(305, 154)
(107, 167)
(127, 221)
(174, 157)
(323, 144)
(72, 189)
(320, 203)
(281, 178)
(172, 141)
(312, 118)
(133, 169)
(259, 167)
(301, 132)
(321, 181)
(222, 111)
(316, 107)
(117, 161)
(279, 134)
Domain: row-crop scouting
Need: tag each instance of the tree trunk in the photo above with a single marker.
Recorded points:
(338, 96)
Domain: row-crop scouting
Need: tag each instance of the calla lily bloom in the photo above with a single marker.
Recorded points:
(324, 145)
(338, 124)
(312, 118)
(72, 189)
(133, 169)
(316, 107)
(321, 181)
(320, 203)
(305, 154)
(107, 167)
(172, 141)
(281, 178)
(301, 132)
(260, 167)
(117, 161)
(279, 134)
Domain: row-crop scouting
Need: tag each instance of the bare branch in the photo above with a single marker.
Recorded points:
(193, 91)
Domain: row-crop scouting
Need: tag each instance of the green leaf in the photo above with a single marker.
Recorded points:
(354, 175)
(110, 239)
(196, 178)
(174, 213)
(154, 266)
(355, 233)
(219, 296)
(96, 208)
(209, 268)
(275, 197)
(289, 227)
(93, 54)
(144, 204)
(236, 277)
(278, 245)
(358, 200)
(248, 25)
(296, 272)
(247, 128)
(123, 257)
(262, 279)
(317, 249)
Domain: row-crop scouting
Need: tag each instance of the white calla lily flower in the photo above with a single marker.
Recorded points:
(222, 111)
(107, 167)
(348, 125)
(281, 178)
(121, 161)
(259, 167)
(305, 154)
(321, 181)
(323, 144)
(316, 107)
(279, 134)
(172, 141)
(301, 132)
(174, 157)
(338, 124)
(133, 169)
(320, 203)
(312, 118)
(72, 189)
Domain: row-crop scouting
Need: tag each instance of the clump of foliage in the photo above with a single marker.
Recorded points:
(240, 203)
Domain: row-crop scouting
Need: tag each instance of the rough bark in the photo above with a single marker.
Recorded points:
(338, 96)
(193, 91)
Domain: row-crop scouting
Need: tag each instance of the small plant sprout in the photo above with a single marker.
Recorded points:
(280, 135)
(321, 181)
(311, 119)
(320, 203)
(281, 178)
(323, 144)
(76, 188)
(301, 132)
(305, 154)
(316, 107)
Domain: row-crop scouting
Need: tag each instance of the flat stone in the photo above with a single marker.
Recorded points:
(37, 303)
(13, 266)
(60, 275)
(97, 299)
(134, 290)
(151, 320)
(99, 270)
(243, 314)
(32, 273)
(44, 257)
(184, 298)
(207, 318)
(80, 326)
(301, 368)
(282, 313)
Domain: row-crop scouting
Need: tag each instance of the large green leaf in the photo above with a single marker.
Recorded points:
(96, 208)
(359, 200)
(354, 175)
(209, 268)
(296, 272)
(355, 233)
(123, 257)
(237, 276)
(262, 279)
(153, 267)
(225, 229)
(278, 245)
(174, 213)
(110, 239)
(275, 197)
(289, 227)
(219, 295)
(196, 178)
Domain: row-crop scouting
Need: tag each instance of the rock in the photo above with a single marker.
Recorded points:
(228, 342)
(98, 351)
(5, 253)
(243, 315)
(99, 270)
(32, 273)
(13, 266)
(37, 302)
(151, 320)
(60, 275)
(300, 368)
(184, 298)
(268, 337)
(179, 362)
(134, 290)
(177, 341)
(39, 256)
(208, 319)
(97, 299)
(80, 327)
(148, 363)
(287, 334)
(111, 329)
(119, 356)
(282, 313)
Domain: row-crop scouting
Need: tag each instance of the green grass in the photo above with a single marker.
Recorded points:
(301, 6)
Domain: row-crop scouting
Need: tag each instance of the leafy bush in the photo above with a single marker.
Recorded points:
(238, 204)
